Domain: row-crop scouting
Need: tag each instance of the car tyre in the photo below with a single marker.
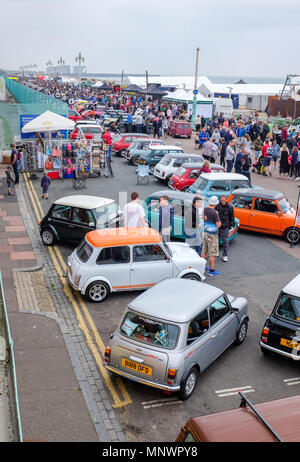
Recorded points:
(151, 168)
(48, 237)
(188, 385)
(134, 160)
(121, 152)
(97, 292)
(192, 276)
(185, 188)
(242, 332)
(292, 235)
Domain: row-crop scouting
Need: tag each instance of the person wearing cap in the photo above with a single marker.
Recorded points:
(212, 223)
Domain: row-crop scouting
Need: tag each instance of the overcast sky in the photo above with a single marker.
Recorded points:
(235, 37)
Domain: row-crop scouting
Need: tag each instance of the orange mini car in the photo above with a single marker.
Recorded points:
(265, 211)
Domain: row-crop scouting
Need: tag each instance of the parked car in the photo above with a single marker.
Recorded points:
(154, 154)
(216, 184)
(170, 163)
(187, 174)
(123, 141)
(89, 113)
(74, 115)
(160, 344)
(128, 259)
(71, 217)
(248, 423)
(138, 147)
(178, 128)
(180, 202)
(89, 131)
(265, 211)
(280, 334)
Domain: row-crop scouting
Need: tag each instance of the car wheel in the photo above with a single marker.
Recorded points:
(48, 237)
(292, 235)
(151, 168)
(192, 276)
(121, 152)
(187, 386)
(242, 332)
(97, 291)
(134, 160)
(184, 189)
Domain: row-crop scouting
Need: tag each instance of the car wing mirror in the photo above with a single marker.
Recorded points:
(91, 224)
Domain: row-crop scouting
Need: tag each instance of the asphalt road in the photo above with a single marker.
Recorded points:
(258, 267)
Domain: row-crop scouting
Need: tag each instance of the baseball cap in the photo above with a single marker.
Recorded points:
(213, 200)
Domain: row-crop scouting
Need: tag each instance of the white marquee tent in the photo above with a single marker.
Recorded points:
(48, 122)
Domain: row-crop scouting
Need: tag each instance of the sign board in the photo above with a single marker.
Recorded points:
(25, 118)
(202, 109)
(195, 92)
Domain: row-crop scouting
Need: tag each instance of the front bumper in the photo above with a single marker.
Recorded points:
(144, 382)
(280, 352)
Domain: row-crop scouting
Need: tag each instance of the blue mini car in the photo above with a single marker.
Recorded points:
(218, 184)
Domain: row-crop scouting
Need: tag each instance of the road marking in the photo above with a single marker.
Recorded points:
(161, 402)
(294, 381)
(61, 268)
(234, 391)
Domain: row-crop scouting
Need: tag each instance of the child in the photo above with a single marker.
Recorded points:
(9, 180)
(45, 184)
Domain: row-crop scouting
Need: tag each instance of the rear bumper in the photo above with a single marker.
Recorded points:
(280, 352)
(71, 283)
(140, 380)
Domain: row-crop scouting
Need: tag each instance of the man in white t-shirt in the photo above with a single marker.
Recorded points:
(133, 213)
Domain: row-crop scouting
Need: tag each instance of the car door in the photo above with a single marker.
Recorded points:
(199, 339)
(59, 218)
(223, 325)
(265, 217)
(150, 265)
(158, 155)
(113, 263)
(82, 221)
(242, 209)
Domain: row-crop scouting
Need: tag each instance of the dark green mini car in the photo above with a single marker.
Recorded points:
(154, 154)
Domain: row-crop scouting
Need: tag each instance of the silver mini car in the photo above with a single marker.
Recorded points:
(173, 331)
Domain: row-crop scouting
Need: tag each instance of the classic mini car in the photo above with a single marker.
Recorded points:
(247, 423)
(265, 211)
(123, 141)
(89, 131)
(71, 217)
(281, 332)
(74, 115)
(173, 332)
(187, 174)
(217, 184)
(180, 128)
(138, 147)
(180, 202)
(170, 163)
(154, 154)
(118, 259)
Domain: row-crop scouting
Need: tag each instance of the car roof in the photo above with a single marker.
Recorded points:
(173, 195)
(109, 237)
(84, 202)
(184, 155)
(260, 193)
(293, 287)
(242, 425)
(176, 300)
(223, 176)
(138, 135)
(197, 165)
(176, 148)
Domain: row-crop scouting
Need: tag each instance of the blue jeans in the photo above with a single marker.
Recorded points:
(229, 165)
(198, 249)
(109, 152)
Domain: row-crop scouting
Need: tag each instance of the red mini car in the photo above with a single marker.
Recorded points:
(74, 115)
(180, 128)
(90, 132)
(187, 174)
(123, 141)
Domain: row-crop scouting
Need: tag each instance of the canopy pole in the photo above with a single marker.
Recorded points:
(195, 90)
(41, 141)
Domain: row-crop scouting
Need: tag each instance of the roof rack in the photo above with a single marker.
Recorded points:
(245, 401)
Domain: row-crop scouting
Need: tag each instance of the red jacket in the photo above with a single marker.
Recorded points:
(264, 150)
(107, 138)
(284, 134)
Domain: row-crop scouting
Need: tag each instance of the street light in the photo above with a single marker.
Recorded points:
(79, 59)
(195, 92)
(60, 62)
(49, 63)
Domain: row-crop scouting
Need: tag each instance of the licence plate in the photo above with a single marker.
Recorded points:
(289, 344)
(136, 366)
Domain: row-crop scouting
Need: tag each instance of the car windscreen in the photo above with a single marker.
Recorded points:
(144, 329)
(166, 160)
(181, 171)
(289, 308)
(284, 205)
(84, 251)
(147, 153)
(105, 214)
(200, 183)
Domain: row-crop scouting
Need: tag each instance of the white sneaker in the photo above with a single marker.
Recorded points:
(298, 178)
(225, 258)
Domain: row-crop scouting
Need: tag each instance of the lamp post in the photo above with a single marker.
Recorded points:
(60, 62)
(195, 90)
(49, 63)
(79, 59)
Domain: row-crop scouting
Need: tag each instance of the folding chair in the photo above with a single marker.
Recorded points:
(142, 174)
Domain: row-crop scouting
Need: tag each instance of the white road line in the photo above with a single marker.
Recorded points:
(162, 404)
(235, 393)
(159, 401)
(293, 383)
(233, 389)
(291, 380)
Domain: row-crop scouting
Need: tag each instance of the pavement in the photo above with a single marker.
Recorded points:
(56, 397)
